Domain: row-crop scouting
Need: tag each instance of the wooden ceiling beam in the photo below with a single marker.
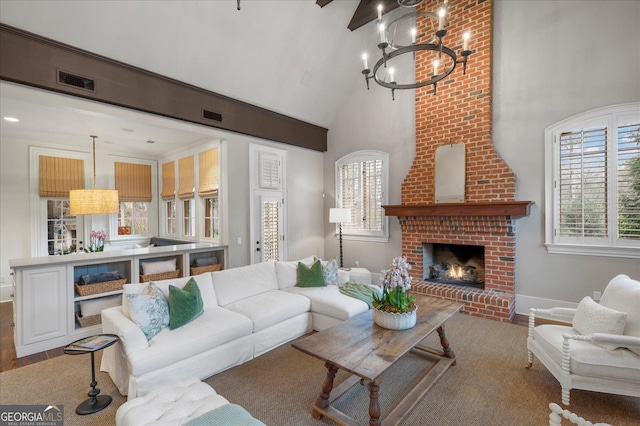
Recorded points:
(323, 3)
(367, 11)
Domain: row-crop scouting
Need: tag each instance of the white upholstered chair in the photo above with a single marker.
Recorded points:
(600, 350)
(557, 414)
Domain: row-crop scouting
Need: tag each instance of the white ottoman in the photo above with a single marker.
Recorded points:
(170, 405)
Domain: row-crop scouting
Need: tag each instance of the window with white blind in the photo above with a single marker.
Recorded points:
(593, 183)
(361, 186)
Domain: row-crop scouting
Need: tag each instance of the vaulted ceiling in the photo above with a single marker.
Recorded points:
(293, 57)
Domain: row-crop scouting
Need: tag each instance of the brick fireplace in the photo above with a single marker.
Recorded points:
(460, 112)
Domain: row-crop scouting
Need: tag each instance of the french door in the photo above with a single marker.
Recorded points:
(268, 224)
(269, 227)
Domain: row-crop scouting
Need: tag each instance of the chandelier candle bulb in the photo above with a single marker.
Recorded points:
(436, 66)
(465, 40)
(364, 61)
(441, 19)
(391, 74)
(381, 29)
(380, 12)
(413, 35)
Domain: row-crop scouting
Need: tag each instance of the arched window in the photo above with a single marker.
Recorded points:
(593, 183)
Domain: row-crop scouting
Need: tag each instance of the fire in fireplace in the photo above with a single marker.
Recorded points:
(454, 264)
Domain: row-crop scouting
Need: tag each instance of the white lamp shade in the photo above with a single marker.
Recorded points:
(337, 215)
(93, 201)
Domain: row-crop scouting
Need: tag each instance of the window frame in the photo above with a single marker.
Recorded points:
(360, 157)
(214, 219)
(610, 117)
(152, 208)
(188, 221)
(38, 211)
(170, 221)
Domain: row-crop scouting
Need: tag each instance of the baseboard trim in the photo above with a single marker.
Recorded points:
(524, 303)
(5, 293)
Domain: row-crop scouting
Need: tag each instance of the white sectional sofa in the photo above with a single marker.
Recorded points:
(247, 312)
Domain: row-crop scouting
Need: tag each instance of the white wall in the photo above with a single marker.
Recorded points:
(15, 229)
(303, 206)
(370, 119)
(551, 60)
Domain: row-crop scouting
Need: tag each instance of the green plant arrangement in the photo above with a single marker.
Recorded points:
(396, 287)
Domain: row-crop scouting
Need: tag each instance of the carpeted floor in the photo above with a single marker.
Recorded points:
(488, 386)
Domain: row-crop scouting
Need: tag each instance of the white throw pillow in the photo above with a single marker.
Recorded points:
(592, 318)
(623, 294)
(149, 268)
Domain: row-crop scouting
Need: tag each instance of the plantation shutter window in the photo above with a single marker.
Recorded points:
(583, 183)
(361, 182)
(629, 181)
(350, 193)
(168, 180)
(270, 171)
(185, 185)
(208, 173)
(271, 233)
(372, 195)
(133, 182)
(59, 175)
(593, 183)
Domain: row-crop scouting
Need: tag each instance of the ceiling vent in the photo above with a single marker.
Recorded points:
(76, 81)
(210, 115)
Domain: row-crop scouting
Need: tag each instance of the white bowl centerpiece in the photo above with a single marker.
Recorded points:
(395, 309)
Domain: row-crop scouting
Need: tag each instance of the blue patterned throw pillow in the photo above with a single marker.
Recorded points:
(149, 310)
(330, 272)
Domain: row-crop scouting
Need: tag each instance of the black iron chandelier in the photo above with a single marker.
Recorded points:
(398, 39)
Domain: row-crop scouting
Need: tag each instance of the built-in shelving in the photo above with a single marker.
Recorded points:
(46, 302)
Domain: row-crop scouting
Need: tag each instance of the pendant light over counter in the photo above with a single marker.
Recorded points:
(93, 201)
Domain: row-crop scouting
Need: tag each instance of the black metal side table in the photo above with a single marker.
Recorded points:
(95, 402)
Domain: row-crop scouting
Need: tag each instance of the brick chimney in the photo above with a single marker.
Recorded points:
(460, 112)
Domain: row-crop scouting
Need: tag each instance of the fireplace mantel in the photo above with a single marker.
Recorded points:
(492, 208)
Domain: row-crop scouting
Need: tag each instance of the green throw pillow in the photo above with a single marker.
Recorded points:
(185, 304)
(310, 276)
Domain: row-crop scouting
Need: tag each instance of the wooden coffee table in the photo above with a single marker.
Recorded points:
(366, 351)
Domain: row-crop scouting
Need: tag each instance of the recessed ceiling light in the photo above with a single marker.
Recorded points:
(128, 130)
(151, 141)
(11, 119)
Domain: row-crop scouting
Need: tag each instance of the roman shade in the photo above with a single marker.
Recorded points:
(168, 180)
(59, 175)
(208, 172)
(185, 185)
(133, 182)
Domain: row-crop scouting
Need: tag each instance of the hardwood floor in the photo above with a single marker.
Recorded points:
(9, 360)
(8, 357)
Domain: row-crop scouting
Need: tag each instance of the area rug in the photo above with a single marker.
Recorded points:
(488, 386)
